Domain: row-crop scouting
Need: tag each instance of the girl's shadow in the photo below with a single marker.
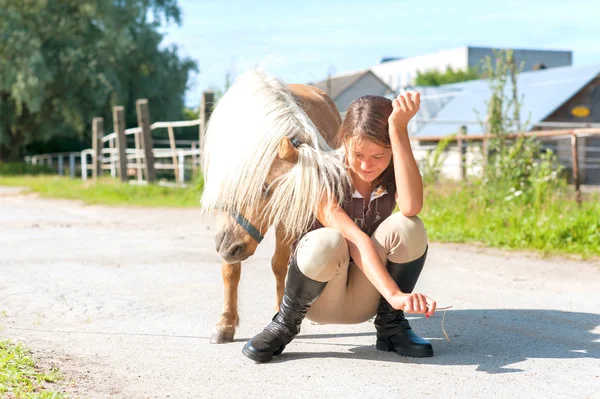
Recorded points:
(490, 339)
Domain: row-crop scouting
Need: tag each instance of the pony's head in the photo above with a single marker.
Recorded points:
(240, 232)
(265, 164)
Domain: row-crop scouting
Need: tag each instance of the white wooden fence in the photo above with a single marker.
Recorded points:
(182, 156)
(184, 162)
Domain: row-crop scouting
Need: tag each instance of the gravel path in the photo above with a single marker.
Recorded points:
(123, 301)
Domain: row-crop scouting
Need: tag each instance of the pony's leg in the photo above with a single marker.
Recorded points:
(224, 330)
(279, 264)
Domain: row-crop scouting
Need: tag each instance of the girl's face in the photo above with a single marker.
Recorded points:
(368, 160)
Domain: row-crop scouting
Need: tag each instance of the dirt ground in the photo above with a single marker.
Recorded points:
(123, 300)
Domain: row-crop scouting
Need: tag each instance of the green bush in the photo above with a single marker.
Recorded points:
(22, 168)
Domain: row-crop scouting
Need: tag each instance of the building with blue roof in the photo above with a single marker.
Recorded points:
(556, 98)
(554, 94)
(543, 93)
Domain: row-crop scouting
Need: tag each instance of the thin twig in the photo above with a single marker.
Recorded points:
(443, 317)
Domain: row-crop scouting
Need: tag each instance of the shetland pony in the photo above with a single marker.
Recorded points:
(269, 160)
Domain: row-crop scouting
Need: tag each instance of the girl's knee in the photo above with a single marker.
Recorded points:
(321, 254)
(404, 238)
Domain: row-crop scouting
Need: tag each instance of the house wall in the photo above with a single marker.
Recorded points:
(401, 73)
(562, 147)
(368, 84)
(550, 58)
(592, 160)
(588, 148)
(450, 168)
(589, 97)
(588, 151)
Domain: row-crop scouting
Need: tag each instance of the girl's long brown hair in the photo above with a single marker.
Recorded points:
(367, 119)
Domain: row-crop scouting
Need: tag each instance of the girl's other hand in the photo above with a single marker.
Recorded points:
(405, 107)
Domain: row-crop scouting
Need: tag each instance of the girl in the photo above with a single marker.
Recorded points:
(359, 259)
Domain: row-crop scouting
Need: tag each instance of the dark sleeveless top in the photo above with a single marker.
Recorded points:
(368, 215)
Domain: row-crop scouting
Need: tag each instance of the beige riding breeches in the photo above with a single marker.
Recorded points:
(349, 296)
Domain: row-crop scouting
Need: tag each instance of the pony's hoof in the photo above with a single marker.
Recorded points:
(222, 337)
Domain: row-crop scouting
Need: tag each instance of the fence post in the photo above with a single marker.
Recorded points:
(119, 126)
(195, 159)
(138, 156)
(72, 165)
(97, 133)
(83, 166)
(484, 149)
(143, 116)
(485, 145)
(462, 152)
(206, 105)
(173, 151)
(61, 165)
(575, 155)
(113, 168)
(181, 174)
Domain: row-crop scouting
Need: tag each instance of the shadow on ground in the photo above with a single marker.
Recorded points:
(490, 339)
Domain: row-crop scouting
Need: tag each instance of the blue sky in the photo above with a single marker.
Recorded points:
(301, 41)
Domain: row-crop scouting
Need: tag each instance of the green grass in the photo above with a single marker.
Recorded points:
(556, 226)
(452, 213)
(20, 378)
(107, 191)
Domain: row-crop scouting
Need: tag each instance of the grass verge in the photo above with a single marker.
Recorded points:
(107, 191)
(21, 378)
(557, 225)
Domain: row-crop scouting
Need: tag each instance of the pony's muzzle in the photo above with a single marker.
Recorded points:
(230, 252)
(219, 240)
(235, 250)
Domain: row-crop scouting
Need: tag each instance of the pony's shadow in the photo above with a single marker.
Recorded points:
(490, 339)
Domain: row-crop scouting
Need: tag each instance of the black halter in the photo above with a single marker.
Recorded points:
(246, 225)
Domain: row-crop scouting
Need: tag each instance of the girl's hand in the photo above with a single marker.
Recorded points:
(405, 107)
(413, 303)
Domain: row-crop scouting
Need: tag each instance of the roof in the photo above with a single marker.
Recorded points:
(336, 85)
(542, 92)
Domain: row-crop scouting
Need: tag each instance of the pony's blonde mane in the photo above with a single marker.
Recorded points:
(242, 141)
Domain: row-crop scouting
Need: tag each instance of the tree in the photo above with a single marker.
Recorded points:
(63, 62)
(438, 78)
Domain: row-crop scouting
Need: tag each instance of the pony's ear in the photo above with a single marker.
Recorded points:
(287, 152)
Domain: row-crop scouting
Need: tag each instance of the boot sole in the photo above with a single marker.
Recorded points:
(261, 357)
(387, 347)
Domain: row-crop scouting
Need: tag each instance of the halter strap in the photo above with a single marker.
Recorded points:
(246, 225)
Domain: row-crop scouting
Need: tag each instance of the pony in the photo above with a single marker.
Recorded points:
(269, 160)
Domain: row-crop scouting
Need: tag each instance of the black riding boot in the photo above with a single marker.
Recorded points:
(393, 331)
(300, 292)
